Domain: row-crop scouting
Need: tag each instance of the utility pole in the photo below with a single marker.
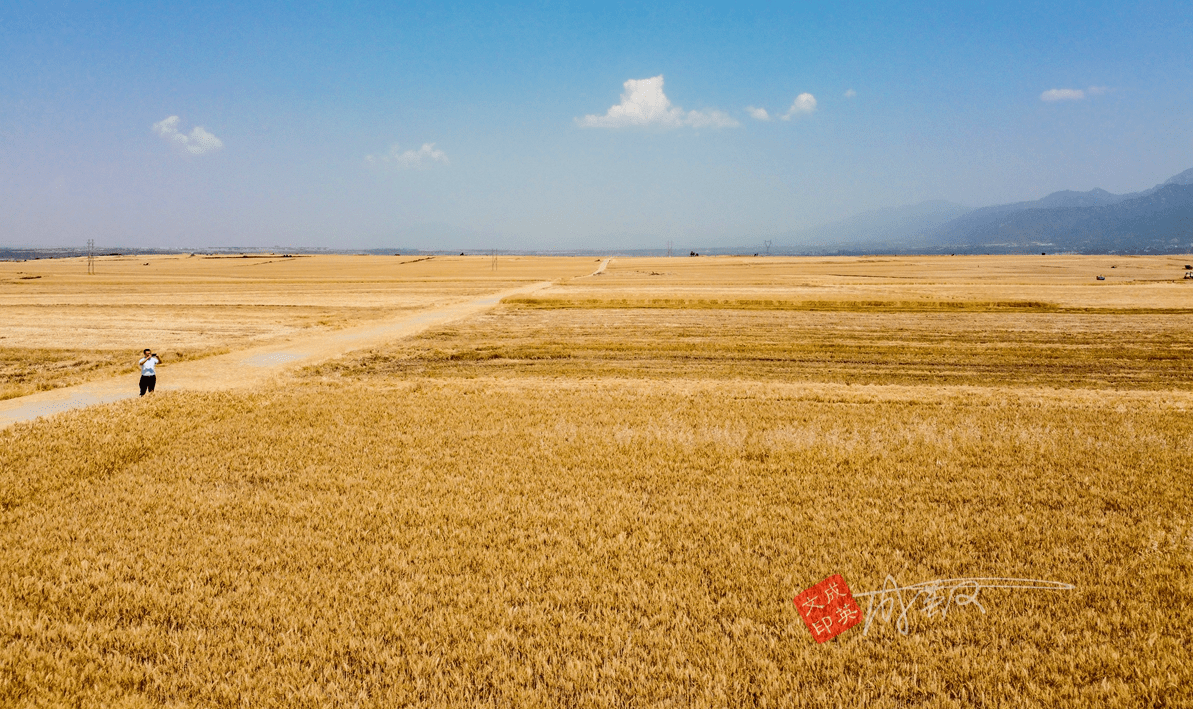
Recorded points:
(91, 257)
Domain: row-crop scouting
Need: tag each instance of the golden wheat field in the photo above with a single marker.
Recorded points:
(608, 493)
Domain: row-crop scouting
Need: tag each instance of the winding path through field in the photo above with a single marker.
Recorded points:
(250, 367)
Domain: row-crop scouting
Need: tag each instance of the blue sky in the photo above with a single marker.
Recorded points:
(288, 114)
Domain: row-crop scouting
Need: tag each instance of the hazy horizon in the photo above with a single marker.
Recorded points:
(557, 128)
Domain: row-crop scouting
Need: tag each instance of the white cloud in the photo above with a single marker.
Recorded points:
(759, 113)
(804, 103)
(850, 93)
(1096, 90)
(643, 103)
(1062, 95)
(197, 142)
(410, 158)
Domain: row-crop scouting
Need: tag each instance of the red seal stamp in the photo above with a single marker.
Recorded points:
(828, 608)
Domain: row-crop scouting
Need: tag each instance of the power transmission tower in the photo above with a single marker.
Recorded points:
(91, 257)
(768, 243)
(494, 259)
(669, 245)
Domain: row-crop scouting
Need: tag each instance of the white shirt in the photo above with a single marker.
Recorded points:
(148, 365)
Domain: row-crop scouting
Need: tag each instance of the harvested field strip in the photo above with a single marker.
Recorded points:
(587, 544)
(775, 304)
(979, 349)
(843, 305)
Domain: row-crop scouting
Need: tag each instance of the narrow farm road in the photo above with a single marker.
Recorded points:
(250, 367)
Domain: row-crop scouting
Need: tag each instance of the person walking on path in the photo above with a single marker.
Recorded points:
(148, 365)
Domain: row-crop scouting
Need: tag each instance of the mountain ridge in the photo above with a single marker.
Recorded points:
(1155, 220)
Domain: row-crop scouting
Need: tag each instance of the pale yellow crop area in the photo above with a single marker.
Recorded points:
(607, 494)
(61, 326)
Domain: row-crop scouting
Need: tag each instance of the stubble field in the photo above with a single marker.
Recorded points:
(609, 493)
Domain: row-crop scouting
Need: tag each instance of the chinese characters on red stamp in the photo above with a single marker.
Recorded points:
(828, 608)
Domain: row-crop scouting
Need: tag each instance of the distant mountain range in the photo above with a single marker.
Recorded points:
(1156, 220)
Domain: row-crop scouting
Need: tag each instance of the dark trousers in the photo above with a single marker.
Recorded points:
(147, 384)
